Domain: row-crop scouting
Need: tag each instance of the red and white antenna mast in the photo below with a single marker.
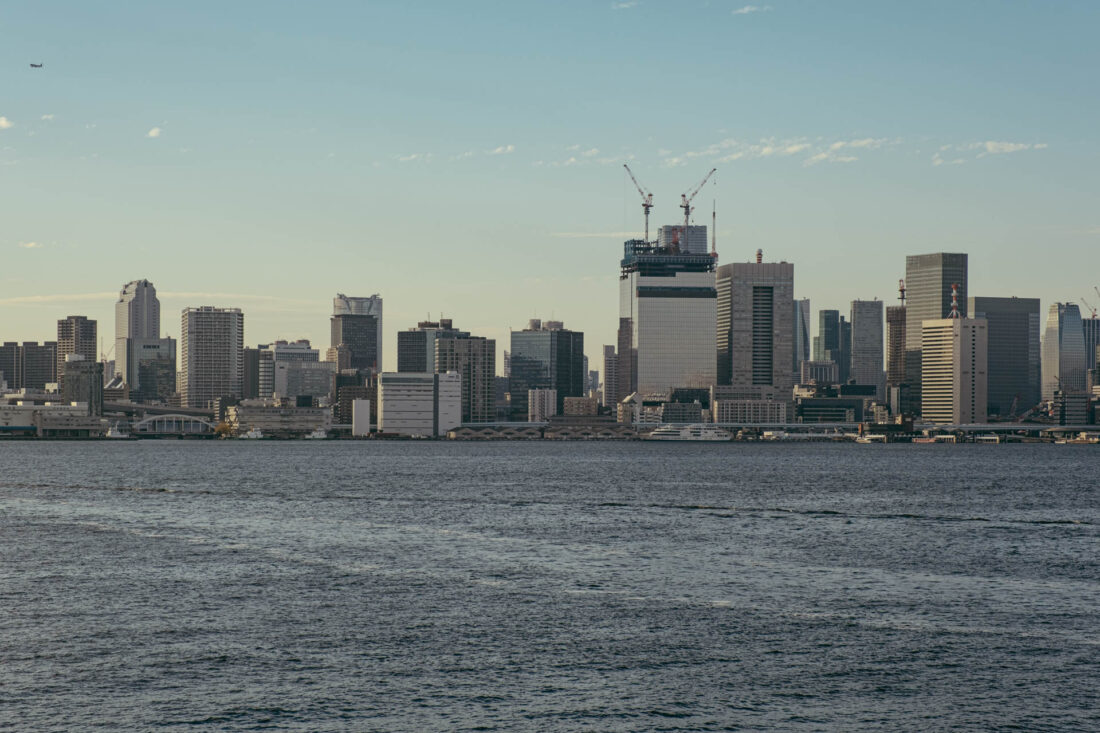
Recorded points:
(954, 301)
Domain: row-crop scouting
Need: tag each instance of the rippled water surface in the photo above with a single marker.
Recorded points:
(512, 586)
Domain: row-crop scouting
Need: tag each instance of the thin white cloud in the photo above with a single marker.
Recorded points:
(593, 235)
(46, 118)
(503, 150)
(590, 152)
(413, 157)
(938, 160)
(999, 147)
(624, 5)
(30, 245)
(59, 298)
(5, 123)
(749, 9)
(155, 132)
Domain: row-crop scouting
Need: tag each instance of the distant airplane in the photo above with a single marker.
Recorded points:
(36, 66)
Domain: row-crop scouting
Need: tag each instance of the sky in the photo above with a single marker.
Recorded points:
(465, 159)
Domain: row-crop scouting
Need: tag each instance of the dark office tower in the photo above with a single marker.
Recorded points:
(828, 334)
(250, 381)
(1015, 358)
(359, 334)
(755, 325)
(416, 346)
(83, 382)
(610, 373)
(1092, 340)
(546, 356)
(801, 332)
(1065, 365)
(9, 357)
(75, 335)
(474, 358)
(626, 361)
(36, 365)
(895, 345)
(866, 344)
(843, 355)
(928, 281)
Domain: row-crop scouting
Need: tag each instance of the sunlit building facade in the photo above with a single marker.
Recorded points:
(1064, 361)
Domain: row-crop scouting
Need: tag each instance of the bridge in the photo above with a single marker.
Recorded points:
(177, 425)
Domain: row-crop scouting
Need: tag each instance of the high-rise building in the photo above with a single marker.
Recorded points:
(1064, 361)
(671, 237)
(75, 335)
(928, 281)
(148, 366)
(818, 372)
(474, 358)
(421, 404)
(29, 365)
(83, 382)
(666, 320)
(801, 333)
(895, 345)
(610, 372)
(416, 346)
(211, 355)
(545, 355)
(1014, 352)
(137, 316)
(542, 404)
(357, 324)
(1092, 341)
(755, 324)
(866, 348)
(834, 341)
(954, 370)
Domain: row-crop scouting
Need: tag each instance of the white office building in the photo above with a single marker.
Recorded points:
(954, 370)
(211, 352)
(419, 404)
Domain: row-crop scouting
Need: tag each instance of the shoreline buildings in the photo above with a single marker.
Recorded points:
(545, 355)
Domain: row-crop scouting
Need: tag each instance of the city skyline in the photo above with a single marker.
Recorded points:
(240, 152)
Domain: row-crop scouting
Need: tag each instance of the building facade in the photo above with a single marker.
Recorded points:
(954, 370)
(866, 365)
(928, 282)
(1064, 360)
(1015, 354)
(416, 346)
(75, 335)
(474, 358)
(546, 356)
(755, 324)
(211, 355)
(801, 333)
(356, 325)
(423, 404)
(542, 404)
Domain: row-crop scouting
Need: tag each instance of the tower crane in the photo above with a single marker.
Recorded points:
(647, 199)
(1091, 309)
(685, 201)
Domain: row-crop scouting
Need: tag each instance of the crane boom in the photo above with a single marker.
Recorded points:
(647, 199)
(1091, 309)
(685, 201)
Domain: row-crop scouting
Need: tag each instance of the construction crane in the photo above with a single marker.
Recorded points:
(647, 199)
(1091, 309)
(901, 290)
(685, 201)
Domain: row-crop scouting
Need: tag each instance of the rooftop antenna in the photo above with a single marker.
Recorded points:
(759, 256)
(647, 199)
(954, 301)
(901, 291)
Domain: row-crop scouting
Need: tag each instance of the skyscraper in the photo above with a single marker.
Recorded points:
(1014, 352)
(137, 312)
(895, 345)
(866, 348)
(75, 335)
(827, 340)
(474, 357)
(928, 281)
(357, 325)
(671, 237)
(211, 354)
(756, 324)
(1092, 340)
(1064, 361)
(801, 333)
(416, 346)
(666, 319)
(546, 356)
(139, 350)
(954, 370)
(610, 372)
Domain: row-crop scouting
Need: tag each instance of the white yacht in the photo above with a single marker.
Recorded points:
(695, 431)
(253, 434)
(318, 434)
(115, 432)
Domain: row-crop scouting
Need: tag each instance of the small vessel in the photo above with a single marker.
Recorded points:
(695, 431)
(253, 434)
(318, 434)
(784, 435)
(115, 432)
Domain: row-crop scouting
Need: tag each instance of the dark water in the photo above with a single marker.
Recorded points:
(605, 587)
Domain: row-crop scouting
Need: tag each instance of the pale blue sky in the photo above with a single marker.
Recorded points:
(466, 158)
